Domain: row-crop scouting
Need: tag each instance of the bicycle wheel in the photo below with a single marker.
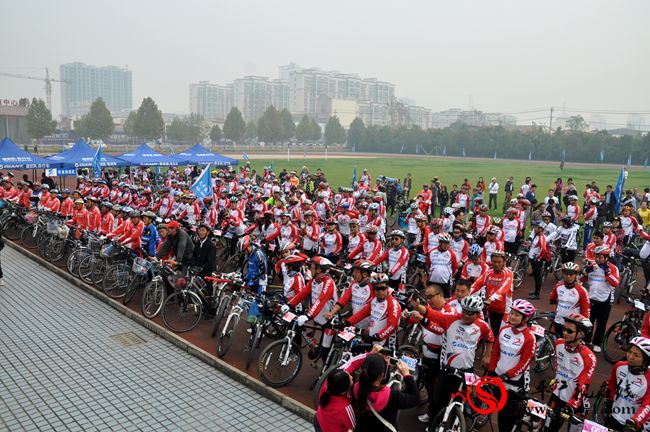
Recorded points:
(86, 269)
(455, 421)
(12, 229)
(153, 298)
(227, 334)
(98, 266)
(617, 341)
(624, 281)
(598, 414)
(134, 285)
(29, 237)
(321, 382)
(224, 302)
(43, 246)
(279, 363)
(74, 259)
(57, 249)
(182, 311)
(116, 281)
(257, 337)
(545, 355)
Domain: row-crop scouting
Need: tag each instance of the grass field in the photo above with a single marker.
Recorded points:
(339, 171)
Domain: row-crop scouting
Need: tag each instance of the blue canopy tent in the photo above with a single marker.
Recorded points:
(81, 155)
(199, 155)
(146, 156)
(13, 157)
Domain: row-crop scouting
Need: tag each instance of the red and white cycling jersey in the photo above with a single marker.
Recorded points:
(510, 229)
(358, 295)
(490, 247)
(498, 289)
(460, 341)
(602, 286)
(442, 265)
(460, 247)
(433, 334)
(512, 352)
(368, 250)
(384, 317)
(569, 301)
(323, 298)
(481, 224)
(294, 283)
(573, 211)
(310, 237)
(332, 243)
(630, 395)
(398, 259)
(430, 242)
(472, 271)
(354, 241)
(575, 368)
(629, 224)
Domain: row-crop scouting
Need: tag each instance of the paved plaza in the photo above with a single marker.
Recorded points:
(71, 362)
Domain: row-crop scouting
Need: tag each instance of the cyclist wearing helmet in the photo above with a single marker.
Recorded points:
(356, 236)
(462, 199)
(497, 283)
(211, 216)
(459, 245)
(573, 209)
(192, 211)
(575, 364)
(491, 243)
(286, 231)
(550, 226)
(514, 349)
(463, 332)
(131, 236)
(629, 224)
(422, 234)
(442, 264)
(398, 259)
(538, 254)
(94, 215)
(448, 219)
(375, 218)
(358, 293)
(431, 240)
(150, 238)
(309, 233)
(332, 241)
(603, 280)
(322, 207)
(481, 222)
(323, 296)
(292, 277)
(236, 219)
(66, 203)
(511, 231)
(567, 234)
(628, 390)
(108, 219)
(475, 266)
(411, 219)
(369, 249)
(383, 310)
(257, 275)
(569, 296)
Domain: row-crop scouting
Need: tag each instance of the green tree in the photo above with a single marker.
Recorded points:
(356, 132)
(316, 132)
(39, 120)
(334, 132)
(288, 126)
(148, 122)
(269, 126)
(98, 123)
(215, 133)
(304, 129)
(576, 123)
(251, 130)
(196, 129)
(234, 127)
(177, 130)
(129, 124)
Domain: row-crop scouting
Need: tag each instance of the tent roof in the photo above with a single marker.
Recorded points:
(12, 156)
(81, 155)
(200, 155)
(146, 156)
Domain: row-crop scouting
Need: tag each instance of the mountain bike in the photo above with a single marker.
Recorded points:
(618, 336)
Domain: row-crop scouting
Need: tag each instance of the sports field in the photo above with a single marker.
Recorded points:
(454, 171)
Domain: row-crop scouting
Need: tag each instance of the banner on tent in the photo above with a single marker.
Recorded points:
(60, 172)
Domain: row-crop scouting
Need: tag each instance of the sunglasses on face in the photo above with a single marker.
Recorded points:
(380, 288)
(568, 331)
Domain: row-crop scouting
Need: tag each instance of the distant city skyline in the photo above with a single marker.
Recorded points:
(518, 58)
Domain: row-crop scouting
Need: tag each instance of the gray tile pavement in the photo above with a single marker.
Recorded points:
(61, 370)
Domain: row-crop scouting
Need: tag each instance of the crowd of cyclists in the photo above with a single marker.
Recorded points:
(445, 267)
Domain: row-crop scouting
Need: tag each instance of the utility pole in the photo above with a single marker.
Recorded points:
(550, 121)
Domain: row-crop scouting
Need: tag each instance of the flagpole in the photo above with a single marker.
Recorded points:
(288, 156)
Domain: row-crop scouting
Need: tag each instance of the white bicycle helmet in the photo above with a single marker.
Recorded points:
(643, 343)
(570, 266)
(472, 304)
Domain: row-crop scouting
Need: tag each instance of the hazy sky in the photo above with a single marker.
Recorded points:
(504, 56)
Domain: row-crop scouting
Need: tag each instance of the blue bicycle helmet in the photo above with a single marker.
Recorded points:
(475, 250)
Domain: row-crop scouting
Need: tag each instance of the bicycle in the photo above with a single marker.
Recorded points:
(242, 303)
(118, 273)
(262, 322)
(627, 277)
(459, 415)
(518, 263)
(14, 224)
(225, 292)
(183, 309)
(545, 353)
(141, 274)
(154, 294)
(618, 336)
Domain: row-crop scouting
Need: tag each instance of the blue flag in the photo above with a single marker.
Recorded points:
(202, 187)
(530, 155)
(417, 149)
(245, 156)
(629, 160)
(602, 155)
(563, 154)
(463, 151)
(402, 149)
(97, 168)
(354, 176)
(171, 150)
(495, 155)
(645, 163)
(271, 166)
(444, 151)
(618, 192)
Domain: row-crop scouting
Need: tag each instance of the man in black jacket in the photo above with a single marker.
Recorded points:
(610, 203)
(205, 252)
(179, 242)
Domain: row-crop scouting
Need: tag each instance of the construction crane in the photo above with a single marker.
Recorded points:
(48, 83)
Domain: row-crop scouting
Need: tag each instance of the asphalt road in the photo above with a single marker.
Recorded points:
(299, 388)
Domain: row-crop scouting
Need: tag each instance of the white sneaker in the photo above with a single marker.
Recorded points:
(2, 282)
(424, 418)
(597, 348)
